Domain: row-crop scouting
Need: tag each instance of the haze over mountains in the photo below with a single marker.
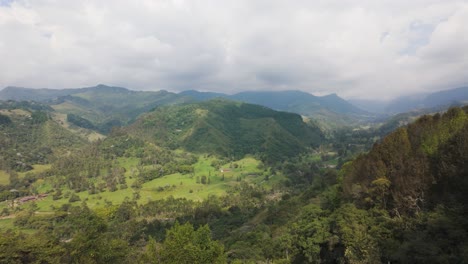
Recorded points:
(456, 96)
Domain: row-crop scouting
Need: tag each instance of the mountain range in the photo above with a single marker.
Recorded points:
(105, 106)
(446, 98)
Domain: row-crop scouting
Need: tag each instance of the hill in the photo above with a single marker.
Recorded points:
(229, 129)
(420, 165)
(290, 101)
(29, 135)
(100, 107)
(330, 112)
(29, 94)
(299, 102)
(105, 107)
(203, 96)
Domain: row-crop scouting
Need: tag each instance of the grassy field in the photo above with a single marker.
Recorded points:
(177, 185)
(6, 223)
(38, 168)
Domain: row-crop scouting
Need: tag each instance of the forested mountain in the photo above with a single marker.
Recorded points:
(102, 107)
(420, 163)
(291, 101)
(106, 107)
(330, 112)
(229, 129)
(418, 173)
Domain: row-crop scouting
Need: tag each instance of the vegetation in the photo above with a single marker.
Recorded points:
(225, 182)
(228, 129)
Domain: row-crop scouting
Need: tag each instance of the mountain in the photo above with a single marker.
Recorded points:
(203, 96)
(291, 101)
(228, 129)
(330, 112)
(106, 106)
(406, 103)
(29, 94)
(100, 107)
(447, 98)
(453, 96)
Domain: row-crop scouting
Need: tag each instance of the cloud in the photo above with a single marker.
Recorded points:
(353, 48)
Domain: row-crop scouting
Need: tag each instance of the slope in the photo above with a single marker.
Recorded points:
(415, 167)
(28, 135)
(229, 129)
(102, 106)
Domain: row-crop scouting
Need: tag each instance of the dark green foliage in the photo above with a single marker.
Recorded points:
(183, 244)
(79, 121)
(413, 160)
(4, 120)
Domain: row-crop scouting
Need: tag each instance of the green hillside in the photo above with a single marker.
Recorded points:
(415, 160)
(29, 136)
(105, 107)
(228, 129)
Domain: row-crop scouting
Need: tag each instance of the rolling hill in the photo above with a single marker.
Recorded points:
(101, 106)
(228, 128)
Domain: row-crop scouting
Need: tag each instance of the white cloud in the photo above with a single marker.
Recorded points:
(354, 48)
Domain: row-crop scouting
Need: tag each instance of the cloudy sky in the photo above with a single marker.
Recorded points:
(367, 49)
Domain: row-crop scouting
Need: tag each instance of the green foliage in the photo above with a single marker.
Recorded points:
(354, 228)
(228, 129)
(4, 120)
(103, 107)
(22, 248)
(79, 121)
(399, 171)
(183, 244)
(310, 231)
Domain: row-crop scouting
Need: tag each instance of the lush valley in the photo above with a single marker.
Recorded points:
(216, 181)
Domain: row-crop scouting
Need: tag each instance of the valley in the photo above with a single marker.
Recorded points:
(258, 184)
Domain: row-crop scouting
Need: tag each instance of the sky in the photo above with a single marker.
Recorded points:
(368, 49)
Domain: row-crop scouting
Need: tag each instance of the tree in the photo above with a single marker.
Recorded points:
(183, 244)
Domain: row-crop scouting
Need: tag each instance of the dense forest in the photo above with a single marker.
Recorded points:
(225, 182)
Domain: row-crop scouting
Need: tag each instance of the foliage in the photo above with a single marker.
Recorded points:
(183, 244)
(228, 129)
